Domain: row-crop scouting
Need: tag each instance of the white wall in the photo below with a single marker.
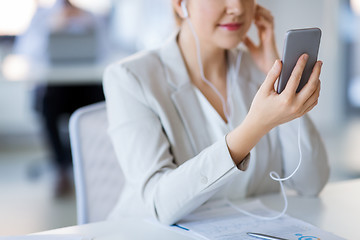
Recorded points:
(291, 14)
(16, 115)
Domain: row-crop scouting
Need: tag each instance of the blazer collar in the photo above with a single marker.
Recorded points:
(184, 97)
(173, 61)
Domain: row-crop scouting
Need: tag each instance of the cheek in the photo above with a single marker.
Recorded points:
(205, 22)
(206, 13)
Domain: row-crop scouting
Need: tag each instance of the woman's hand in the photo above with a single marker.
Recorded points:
(270, 109)
(266, 52)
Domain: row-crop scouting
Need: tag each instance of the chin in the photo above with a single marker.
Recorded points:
(229, 44)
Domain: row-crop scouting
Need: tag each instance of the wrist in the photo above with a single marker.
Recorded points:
(242, 139)
(259, 125)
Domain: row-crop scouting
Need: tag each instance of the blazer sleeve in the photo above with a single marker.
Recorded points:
(313, 173)
(168, 190)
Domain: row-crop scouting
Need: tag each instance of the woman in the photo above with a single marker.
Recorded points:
(177, 142)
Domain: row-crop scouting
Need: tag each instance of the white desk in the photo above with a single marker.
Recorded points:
(336, 210)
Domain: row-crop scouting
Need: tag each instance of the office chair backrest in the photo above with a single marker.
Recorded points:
(98, 176)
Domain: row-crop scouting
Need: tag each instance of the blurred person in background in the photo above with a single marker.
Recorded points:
(54, 100)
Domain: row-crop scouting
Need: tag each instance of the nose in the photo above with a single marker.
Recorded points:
(234, 7)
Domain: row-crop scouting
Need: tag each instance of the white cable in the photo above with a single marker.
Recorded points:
(274, 175)
(239, 209)
(227, 113)
(234, 75)
(277, 178)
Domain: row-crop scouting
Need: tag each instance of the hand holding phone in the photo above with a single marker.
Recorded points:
(298, 42)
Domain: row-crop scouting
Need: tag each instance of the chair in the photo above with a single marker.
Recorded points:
(98, 176)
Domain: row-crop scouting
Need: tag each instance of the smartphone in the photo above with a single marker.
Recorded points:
(298, 42)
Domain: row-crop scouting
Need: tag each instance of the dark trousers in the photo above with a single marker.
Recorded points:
(53, 102)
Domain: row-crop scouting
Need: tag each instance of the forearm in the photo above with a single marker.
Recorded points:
(242, 139)
(181, 190)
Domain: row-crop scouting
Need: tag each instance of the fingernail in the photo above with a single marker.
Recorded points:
(277, 63)
(306, 57)
(321, 63)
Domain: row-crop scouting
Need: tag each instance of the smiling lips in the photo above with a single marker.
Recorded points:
(230, 26)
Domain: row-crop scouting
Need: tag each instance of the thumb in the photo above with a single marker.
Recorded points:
(250, 44)
(272, 76)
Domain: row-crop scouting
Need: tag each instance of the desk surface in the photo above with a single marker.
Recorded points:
(337, 210)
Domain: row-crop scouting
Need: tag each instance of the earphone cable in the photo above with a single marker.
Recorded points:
(273, 175)
(226, 109)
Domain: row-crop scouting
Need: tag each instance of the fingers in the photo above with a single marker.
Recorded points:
(249, 44)
(264, 21)
(272, 76)
(311, 85)
(312, 101)
(262, 24)
(296, 74)
(263, 12)
(263, 18)
(310, 107)
(311, 91)
(308, 97)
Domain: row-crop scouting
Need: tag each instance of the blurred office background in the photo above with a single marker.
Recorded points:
(27, 172)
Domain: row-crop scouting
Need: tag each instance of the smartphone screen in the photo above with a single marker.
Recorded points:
(298, 42)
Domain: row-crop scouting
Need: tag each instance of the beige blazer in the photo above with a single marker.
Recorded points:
(170, 165)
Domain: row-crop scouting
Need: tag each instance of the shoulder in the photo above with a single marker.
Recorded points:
(136, 74)
(138, 65)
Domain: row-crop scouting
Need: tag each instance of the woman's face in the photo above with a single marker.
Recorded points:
(223, 23)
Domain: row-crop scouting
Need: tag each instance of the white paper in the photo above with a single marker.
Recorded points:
(47, 237)
(220, 221)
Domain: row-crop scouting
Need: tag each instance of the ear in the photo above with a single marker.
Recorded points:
(177, 8)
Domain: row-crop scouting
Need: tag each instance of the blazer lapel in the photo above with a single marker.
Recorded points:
(184, 97)
(191, 115)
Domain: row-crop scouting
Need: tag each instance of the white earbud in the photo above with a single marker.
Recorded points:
(184, 9)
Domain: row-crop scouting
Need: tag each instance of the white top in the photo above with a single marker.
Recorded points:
(217, 129)
(160, 132)
(216, 126)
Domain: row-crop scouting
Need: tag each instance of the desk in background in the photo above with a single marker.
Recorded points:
(337, 210)
(17, 68)
(77, 74)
